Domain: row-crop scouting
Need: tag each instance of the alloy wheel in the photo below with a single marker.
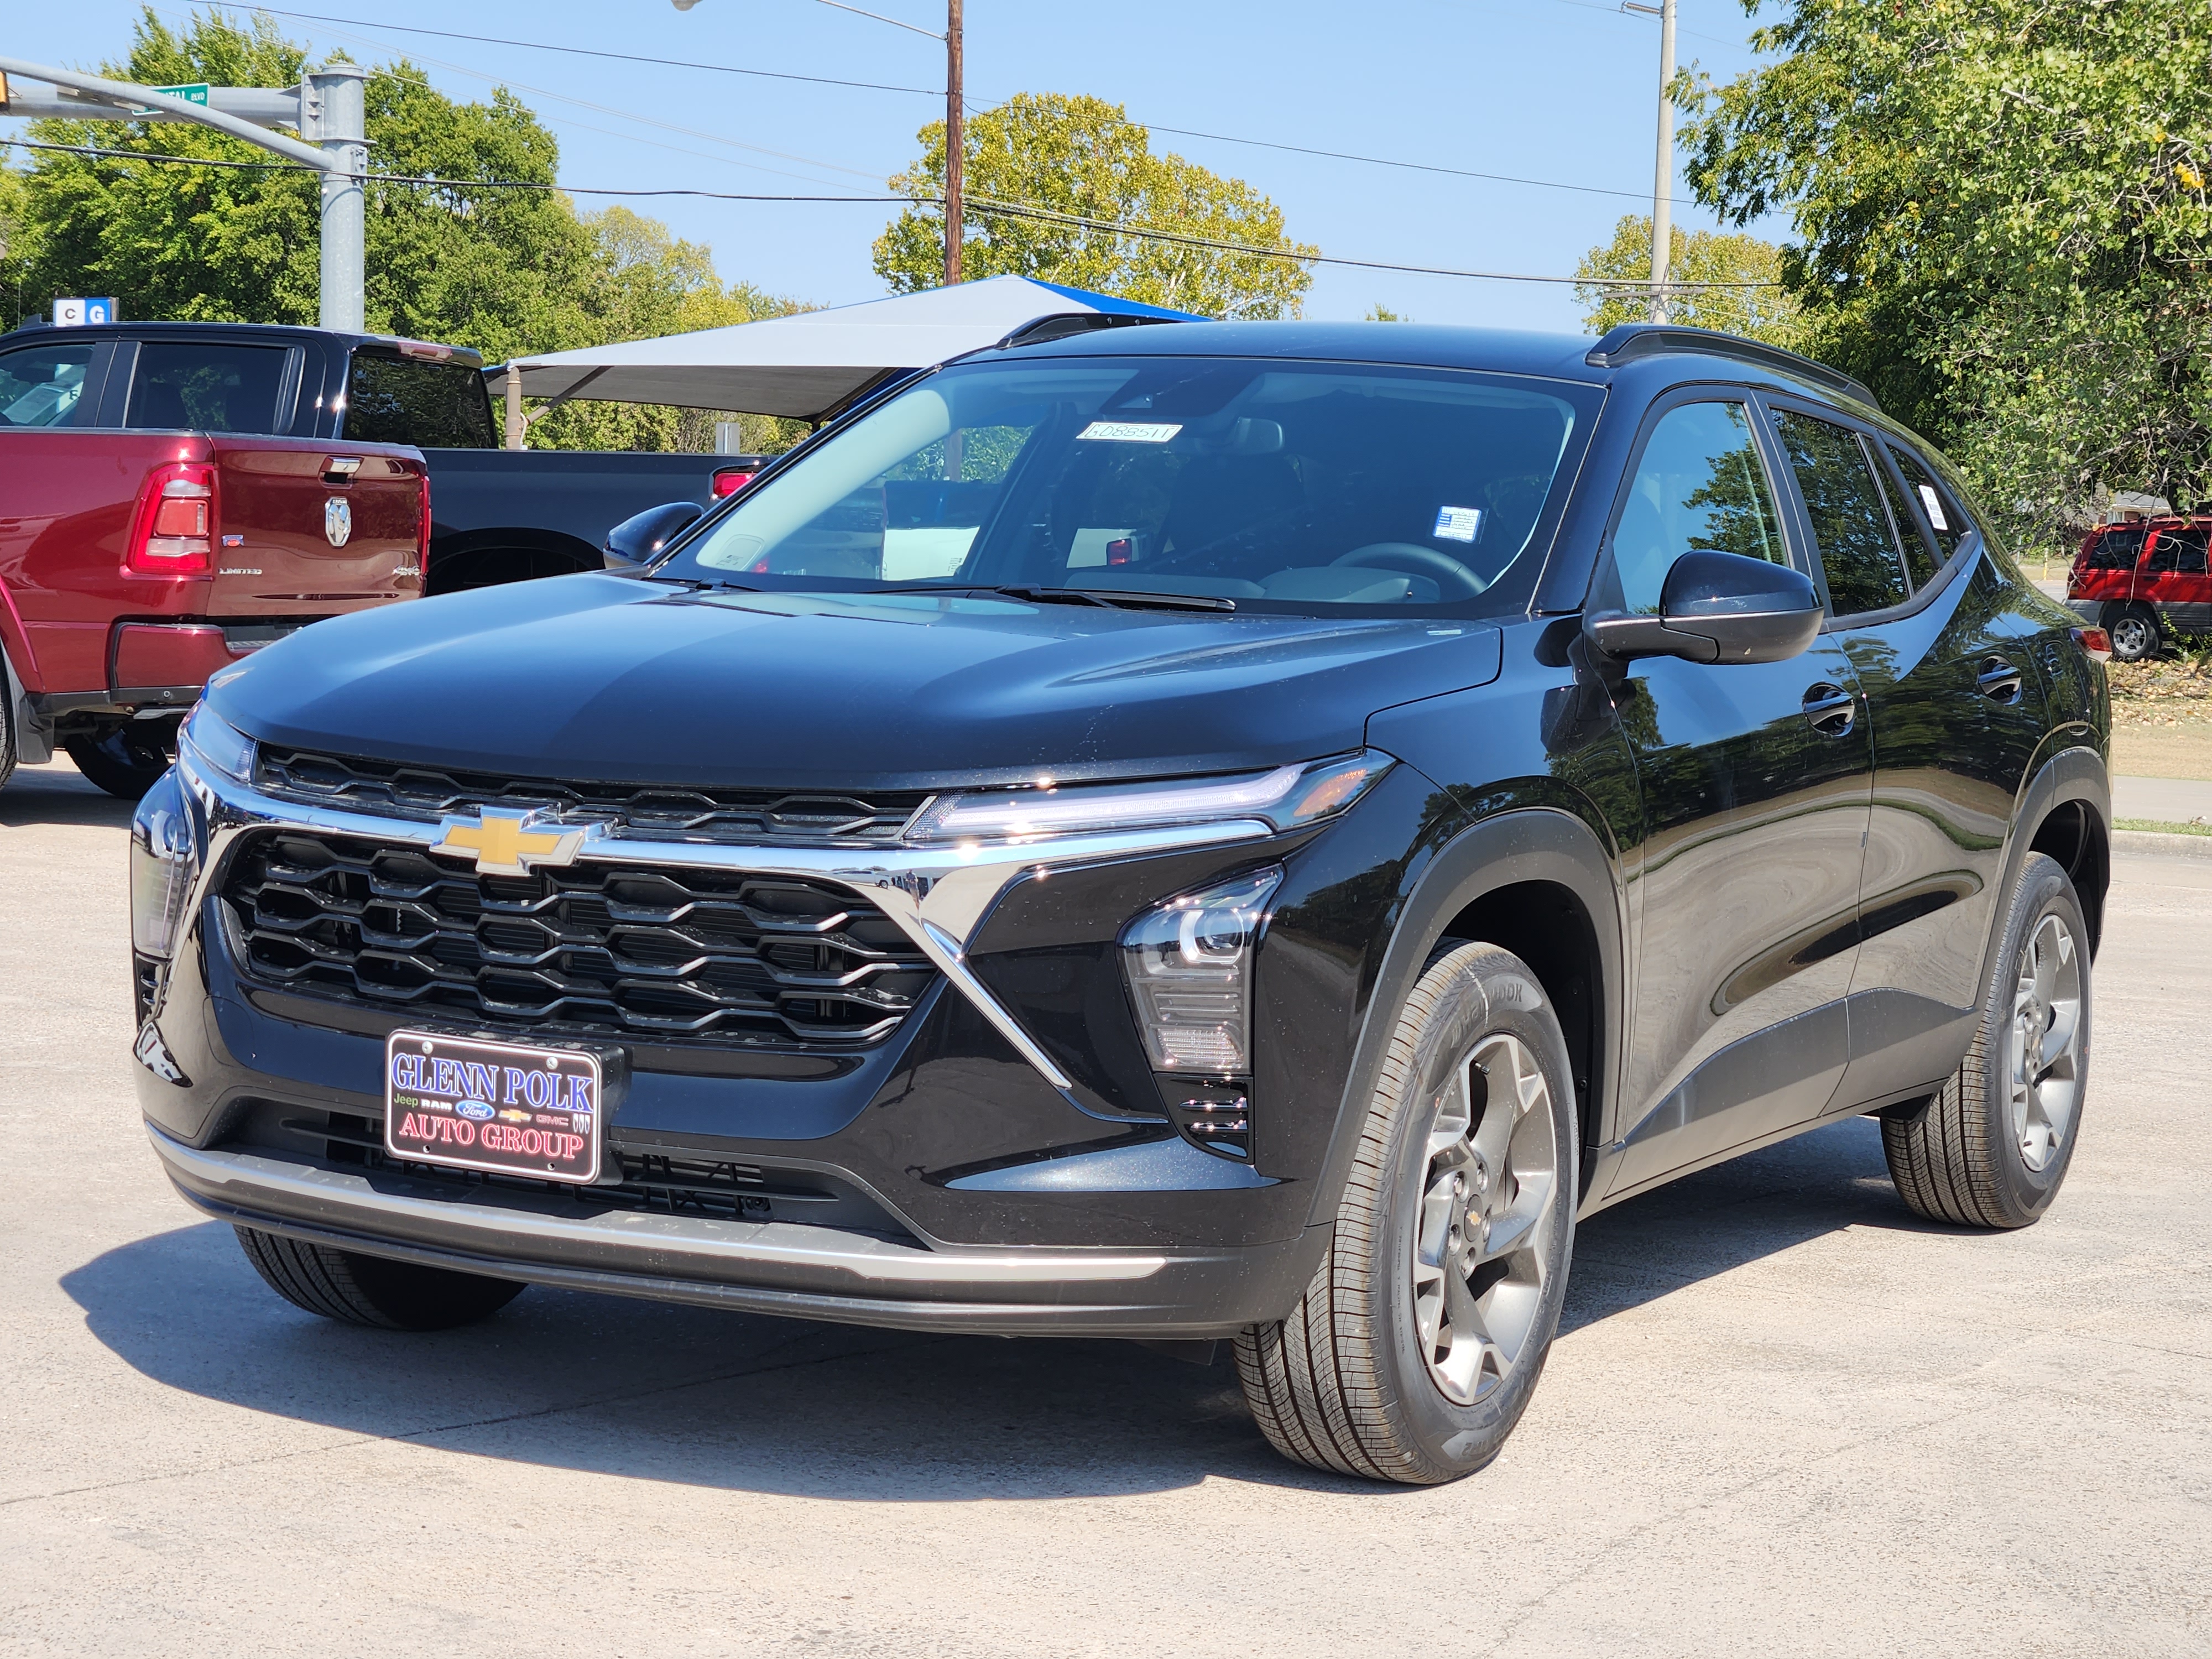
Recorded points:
(2045, 1062)
(1490, 1208)
(2133, 637)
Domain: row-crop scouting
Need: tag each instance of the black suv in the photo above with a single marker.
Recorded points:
(1222, 830)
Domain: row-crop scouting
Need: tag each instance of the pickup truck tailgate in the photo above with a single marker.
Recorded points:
(308, 527)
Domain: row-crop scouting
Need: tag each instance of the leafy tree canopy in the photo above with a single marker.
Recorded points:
(506, 271)
(1082, 158)
(2003, 227)
(1768, 313)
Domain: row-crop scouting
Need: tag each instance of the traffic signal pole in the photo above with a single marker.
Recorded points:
(328, 107)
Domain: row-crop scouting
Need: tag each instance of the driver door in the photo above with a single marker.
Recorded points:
(1756, 781)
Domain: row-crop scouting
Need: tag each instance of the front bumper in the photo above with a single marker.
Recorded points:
(798, 1271)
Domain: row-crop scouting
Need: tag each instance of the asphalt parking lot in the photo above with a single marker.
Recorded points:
(1784, 1418)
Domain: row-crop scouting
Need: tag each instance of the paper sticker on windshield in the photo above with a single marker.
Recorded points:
(1458, 523)
(1935, 506)
(1130, 432)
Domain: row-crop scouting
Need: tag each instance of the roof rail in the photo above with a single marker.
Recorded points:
(1632, 340)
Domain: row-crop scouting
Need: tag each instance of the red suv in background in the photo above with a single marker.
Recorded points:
(2143, 580)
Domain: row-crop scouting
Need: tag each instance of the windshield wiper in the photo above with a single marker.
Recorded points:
(1120, 599)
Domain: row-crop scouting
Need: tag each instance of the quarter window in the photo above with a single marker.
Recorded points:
(211, 387)
(1859, 551)
(1699, 488)
(1938, 506)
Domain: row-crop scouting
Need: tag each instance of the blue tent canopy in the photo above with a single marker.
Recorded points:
(808, 364)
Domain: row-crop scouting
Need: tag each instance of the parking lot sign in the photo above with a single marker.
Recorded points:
(76, 313)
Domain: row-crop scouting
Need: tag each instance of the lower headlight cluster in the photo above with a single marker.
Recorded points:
(1189, 967)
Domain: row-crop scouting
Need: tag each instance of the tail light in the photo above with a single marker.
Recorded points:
(173, 532)
(423, 522)
(729, 480)
(2094, 641)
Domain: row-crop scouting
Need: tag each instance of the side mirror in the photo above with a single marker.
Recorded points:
(1717, 608)
(639, 538)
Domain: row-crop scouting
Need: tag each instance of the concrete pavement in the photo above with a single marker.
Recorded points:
(1786, 1416)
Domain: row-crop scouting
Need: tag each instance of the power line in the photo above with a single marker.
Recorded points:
(984, 206)
(1389, 162)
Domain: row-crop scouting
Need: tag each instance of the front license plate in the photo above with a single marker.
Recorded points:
(494, 1106)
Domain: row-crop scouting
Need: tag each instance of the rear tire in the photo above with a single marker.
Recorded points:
(1420, 1338)
(2136, 633)
(1991, 1149)
(356, 1289)
(123, 760)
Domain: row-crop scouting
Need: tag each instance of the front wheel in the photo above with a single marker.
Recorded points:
(1420, 1340)
(358, 1289)
(2135, 633)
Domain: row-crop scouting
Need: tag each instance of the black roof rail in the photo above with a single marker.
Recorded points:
(1632, 340)
(1060, 324)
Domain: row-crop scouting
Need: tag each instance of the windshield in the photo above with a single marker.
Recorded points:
(1268, 484)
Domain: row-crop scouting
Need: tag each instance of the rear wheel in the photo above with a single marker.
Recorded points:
(355, 1289)
(1991, 1148)
(2134, 633)
(1420, 1340)
(124, 760)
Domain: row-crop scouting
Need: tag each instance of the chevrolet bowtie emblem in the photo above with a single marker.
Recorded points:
(503, 843)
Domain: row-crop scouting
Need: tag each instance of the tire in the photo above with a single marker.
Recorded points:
(10, 751)
(1383, 1370)
(2136, 633)
(121, 760)
(1990, 1149)
(355, 1289)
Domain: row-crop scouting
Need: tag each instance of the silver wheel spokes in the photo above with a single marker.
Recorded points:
(1489, 1209)
(2044, 1060)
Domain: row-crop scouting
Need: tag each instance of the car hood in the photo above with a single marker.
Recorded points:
(607, 678)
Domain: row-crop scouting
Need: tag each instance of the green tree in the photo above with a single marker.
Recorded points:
(470, 259)
(2002, 227)
(1082, 167)
(1618, 288)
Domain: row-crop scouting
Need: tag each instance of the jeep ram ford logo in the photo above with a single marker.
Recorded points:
(337, 520)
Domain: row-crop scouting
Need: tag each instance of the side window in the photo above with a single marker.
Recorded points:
(1699, 488)
(2117, 548)
(1919, 565)
(1938, 505)
(48, 386)
(1859, 552)
(214, 387)
(2181, 551)
(391, 399)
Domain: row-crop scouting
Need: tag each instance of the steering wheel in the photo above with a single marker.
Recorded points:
(1454, 580)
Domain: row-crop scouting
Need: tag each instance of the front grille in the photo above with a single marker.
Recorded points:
(391, 789)
(589, 949)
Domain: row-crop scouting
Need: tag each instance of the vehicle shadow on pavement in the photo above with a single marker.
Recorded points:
(57, 794)
(745, 1402)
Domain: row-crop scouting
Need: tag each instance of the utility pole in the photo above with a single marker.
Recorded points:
(1662, 185)
(326, 108)
(955, 141)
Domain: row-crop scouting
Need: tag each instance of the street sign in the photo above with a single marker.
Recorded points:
(77, 313)
(196, 92)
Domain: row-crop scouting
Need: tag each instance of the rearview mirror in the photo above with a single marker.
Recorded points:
(1717, 608)
(639, 538)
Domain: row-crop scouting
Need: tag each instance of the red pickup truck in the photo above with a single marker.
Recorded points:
(2138, 580)
(145, 542)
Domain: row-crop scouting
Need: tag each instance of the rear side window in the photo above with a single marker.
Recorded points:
(1859, 551)
(47, 386)
(211, 387)
(1945, 517)
(391, 399)
(1919, 566)
(2117, 548)
(1699, 488)
(2181, 551)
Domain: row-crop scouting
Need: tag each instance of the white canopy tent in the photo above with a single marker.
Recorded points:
(809, 364)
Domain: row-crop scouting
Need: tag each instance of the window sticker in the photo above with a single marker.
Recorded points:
(1458, 523)
(1129, 432)
(1935, 506)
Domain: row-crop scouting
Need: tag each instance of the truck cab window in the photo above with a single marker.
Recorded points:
(391, 399)
(47, 386)
(205, 387)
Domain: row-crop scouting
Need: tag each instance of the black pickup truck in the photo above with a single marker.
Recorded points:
(497, 515)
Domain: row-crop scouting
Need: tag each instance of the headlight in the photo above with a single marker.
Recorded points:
(219, 745)
(164, 855)
(1190, 968)
(1285, 798)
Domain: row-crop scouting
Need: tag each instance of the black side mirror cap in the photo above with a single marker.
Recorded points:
(639, 539)
(1718, 608)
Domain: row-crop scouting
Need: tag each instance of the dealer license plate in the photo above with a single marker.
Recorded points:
(494, 1106)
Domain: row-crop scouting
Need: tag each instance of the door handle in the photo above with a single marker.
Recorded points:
(1832, 710)
(1999, 681)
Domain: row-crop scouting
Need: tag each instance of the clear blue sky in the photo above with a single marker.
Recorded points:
(1552, 89)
